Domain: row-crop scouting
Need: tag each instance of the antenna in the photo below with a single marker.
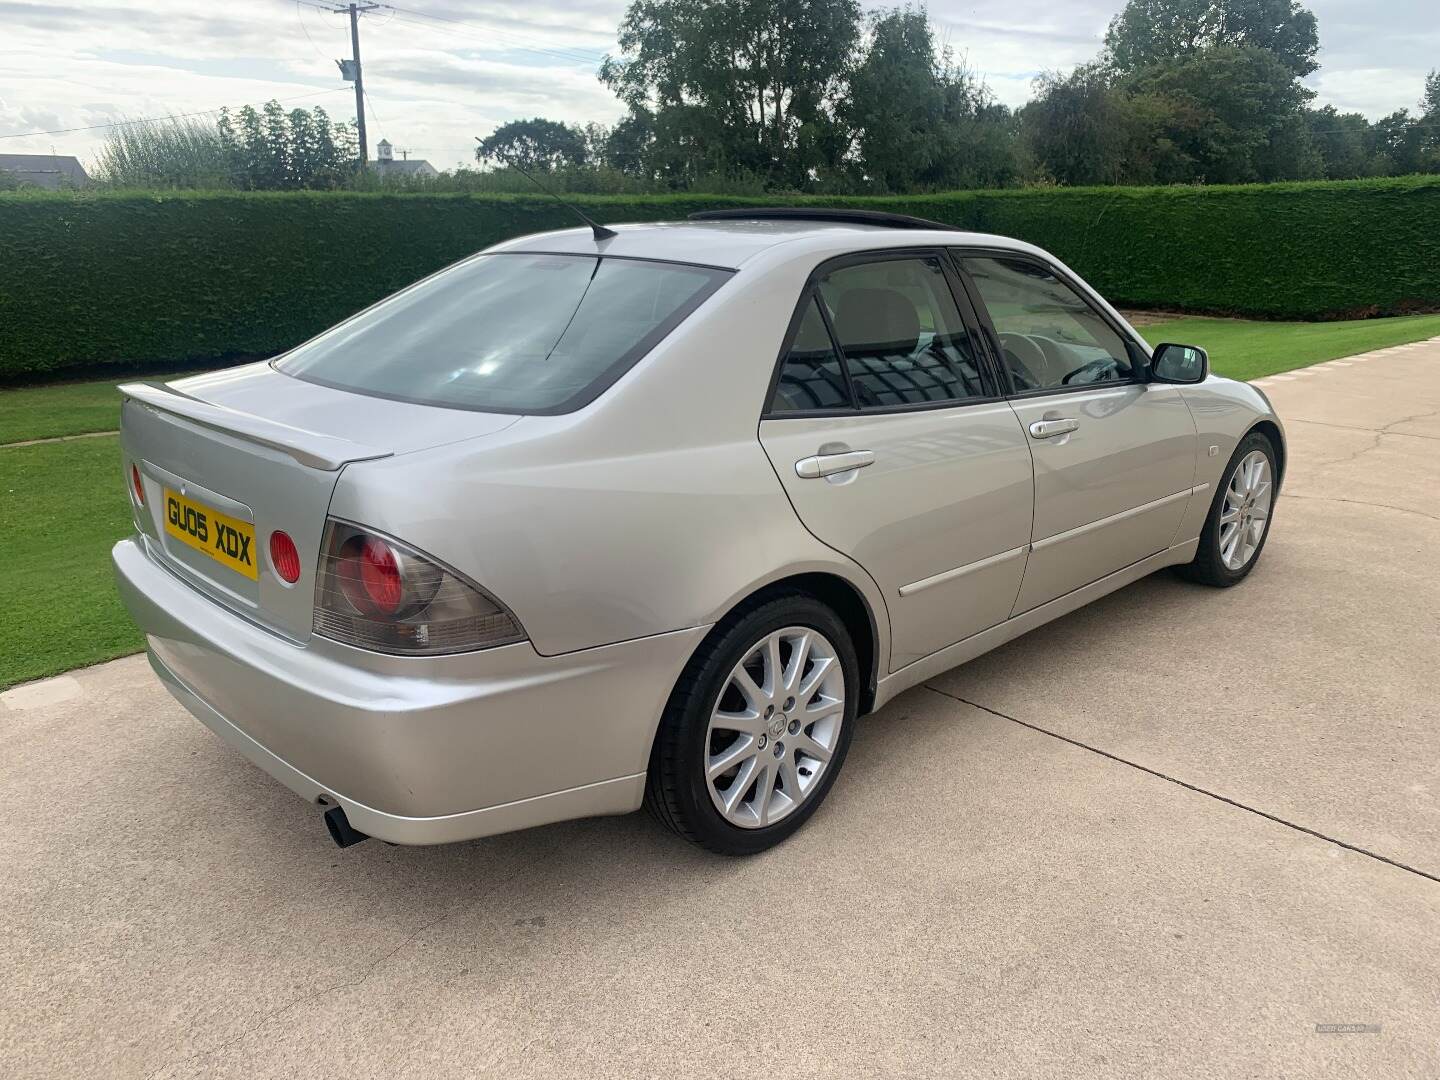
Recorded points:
(600, 231)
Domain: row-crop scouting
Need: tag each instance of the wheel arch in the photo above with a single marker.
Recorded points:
(847, 598)
(855, 612)
(1271, 431)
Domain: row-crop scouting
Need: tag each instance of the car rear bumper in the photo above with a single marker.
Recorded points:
(417, 750)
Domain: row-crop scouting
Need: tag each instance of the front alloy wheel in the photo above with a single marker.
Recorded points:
(1246, 509)
(1239, 518)
(757, 727)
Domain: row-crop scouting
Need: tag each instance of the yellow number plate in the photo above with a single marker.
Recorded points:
(229, 541)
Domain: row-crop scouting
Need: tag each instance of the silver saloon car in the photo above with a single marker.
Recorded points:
(592, 520)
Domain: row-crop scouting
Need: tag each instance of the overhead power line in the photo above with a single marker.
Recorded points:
(300, 18)
(370, 104)
(168, 116)
(351, 69)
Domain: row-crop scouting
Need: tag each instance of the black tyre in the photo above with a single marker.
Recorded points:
(757, 728)
(1240, 514)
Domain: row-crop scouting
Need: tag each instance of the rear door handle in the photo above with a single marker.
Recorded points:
(812, 468)
(1048, 429)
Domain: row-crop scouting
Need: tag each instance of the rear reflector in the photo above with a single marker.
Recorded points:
(136, 485)
(284, 557)
(377, 593)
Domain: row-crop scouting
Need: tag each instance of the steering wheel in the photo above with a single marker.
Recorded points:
(1094, 367)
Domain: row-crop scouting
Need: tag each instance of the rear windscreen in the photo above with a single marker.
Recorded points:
(508, 332)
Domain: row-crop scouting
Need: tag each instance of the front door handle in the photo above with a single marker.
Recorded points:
(1048, 429)
(812, 468)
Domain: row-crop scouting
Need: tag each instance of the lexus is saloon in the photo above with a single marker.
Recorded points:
(650, 515)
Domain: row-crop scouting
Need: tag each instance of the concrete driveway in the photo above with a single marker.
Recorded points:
(1170, 835)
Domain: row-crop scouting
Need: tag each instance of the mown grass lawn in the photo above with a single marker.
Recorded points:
(1251, 350)
(75, 408)
(62, 507)
(63, 504)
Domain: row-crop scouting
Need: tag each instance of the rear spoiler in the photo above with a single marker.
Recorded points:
(310, 448)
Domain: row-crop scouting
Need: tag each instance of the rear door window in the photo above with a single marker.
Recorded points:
(811, 376)
(523, 333)
(898, 326)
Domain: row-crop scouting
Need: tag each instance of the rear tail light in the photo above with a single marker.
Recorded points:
(284, 557)
(377, 593)
(136, 485)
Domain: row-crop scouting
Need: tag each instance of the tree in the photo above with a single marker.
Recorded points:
(1400, 143)
(174, 153)
(1430, 101)
(1150, 32)
(753, 84)
(1086, 129)
(919, 120)
(1344, 142)
(627, 145)
(1403, 143)
(537, 145)
(275, 150)
(1430, 123)
(1075, 127)
(1228, 104)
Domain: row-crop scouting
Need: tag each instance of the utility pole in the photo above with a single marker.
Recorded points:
(351, 71)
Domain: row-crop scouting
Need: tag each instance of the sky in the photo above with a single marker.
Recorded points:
(440, 72)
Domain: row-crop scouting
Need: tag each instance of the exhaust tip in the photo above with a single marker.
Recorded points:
(341, 831)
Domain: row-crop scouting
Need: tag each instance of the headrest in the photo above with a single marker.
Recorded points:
(876, 321)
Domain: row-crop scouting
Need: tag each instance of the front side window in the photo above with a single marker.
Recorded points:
(901, 333)
(1049, 336)
(508, 332)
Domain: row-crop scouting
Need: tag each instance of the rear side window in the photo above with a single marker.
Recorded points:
(900, 330)
(508, 332)
(811, 376)
(1049, 336)
(883, 334)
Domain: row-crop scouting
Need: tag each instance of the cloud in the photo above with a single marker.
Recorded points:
(435, 83)
(43, 16)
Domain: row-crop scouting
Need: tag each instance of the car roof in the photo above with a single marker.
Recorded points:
(732, 243)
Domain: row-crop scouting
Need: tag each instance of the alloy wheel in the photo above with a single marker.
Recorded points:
(774, 727)
(1246, 510)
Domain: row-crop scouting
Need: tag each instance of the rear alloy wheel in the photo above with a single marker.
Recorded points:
(1239, 519)
(757, 728)
(775, 727)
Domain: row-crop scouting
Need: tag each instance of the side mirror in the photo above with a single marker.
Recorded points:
(1171, 363)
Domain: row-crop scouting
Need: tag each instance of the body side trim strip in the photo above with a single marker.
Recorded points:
(961, 571)
(1134, 511)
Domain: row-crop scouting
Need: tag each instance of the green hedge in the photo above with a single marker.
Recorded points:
(136, 280)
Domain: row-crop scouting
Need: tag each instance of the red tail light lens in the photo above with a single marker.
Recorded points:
(380, 575)
(284, 557)
(380, 594)
(367, 569)
(136, 484)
